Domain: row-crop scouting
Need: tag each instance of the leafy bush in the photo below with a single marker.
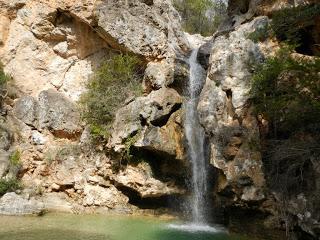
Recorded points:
(116, 80)
(3, 82)
(287, 92)
(201, 16)
(3, 77)
(260, 34)
(9, 185)
(292, 24)
(15, 158)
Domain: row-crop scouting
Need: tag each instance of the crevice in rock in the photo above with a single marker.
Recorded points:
(66, 135)
(164, 166)
(163, 120)
(147, 2)
(149, 202)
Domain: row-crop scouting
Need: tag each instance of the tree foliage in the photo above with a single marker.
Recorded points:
(294, 25)
(115, 80)
(201, 16)
(286, 90)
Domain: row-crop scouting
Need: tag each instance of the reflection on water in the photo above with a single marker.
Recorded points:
(98, 227)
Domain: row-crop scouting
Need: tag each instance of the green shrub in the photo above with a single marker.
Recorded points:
(260, 34)
(9, 185)
(117, 79)
(3, 77)
(201, 16)
(289, 24)
(15, 158)
(129, 142)
(3, 85)
(287, 92)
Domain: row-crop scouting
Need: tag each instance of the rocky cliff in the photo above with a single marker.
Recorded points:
(51, 48)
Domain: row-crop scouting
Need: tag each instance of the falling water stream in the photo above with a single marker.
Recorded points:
(195, 138)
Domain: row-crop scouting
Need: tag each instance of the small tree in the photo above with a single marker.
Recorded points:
(116, 79)
(287, 92)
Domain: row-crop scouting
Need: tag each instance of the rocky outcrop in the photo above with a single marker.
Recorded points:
(50, 49)
(226, 116)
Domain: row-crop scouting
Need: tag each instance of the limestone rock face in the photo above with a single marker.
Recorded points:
(13, 204)
(153, 37)
(52, 111)
(225, 115)
(66, 40)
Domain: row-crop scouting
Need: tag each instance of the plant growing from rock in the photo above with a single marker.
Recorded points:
(3, 85)
(115, 80)
(260, 34)
(9, 185)
(15, 158)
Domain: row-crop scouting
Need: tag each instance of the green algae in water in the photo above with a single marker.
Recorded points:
(97, 227)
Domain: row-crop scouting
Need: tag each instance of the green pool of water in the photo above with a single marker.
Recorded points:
(100, 227)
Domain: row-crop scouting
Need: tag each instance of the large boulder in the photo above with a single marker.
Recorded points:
(164, 140)
(52, 111)
(13, 204)
(139, 179)
(153, 110)
(58, 114)
(105, 197)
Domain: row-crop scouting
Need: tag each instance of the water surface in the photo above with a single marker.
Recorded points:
(101, 227)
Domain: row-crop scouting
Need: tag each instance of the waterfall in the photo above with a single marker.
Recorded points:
(195, 138)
